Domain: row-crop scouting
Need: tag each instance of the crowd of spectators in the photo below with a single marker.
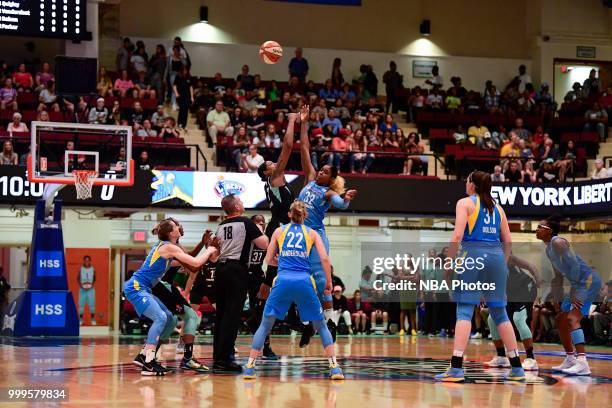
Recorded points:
(348, 127)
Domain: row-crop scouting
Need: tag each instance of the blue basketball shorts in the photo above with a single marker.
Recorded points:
(485, 278)
(298, 288)
(140, 297)
(584, 295)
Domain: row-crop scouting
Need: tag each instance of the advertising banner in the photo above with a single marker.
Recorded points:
(377, 195)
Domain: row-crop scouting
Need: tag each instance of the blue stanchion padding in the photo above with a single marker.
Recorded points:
(42, 313)
(46, 308)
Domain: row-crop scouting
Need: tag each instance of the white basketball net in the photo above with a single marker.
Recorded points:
(83, 182)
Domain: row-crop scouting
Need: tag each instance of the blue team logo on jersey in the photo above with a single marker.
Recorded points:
(225, 187)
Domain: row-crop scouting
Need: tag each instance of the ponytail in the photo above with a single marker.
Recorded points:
(482, 183)
(337, 184)
(163, 229)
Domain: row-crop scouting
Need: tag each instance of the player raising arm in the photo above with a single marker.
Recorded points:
(322, 190)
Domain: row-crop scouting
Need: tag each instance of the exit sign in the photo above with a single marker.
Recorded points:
(139, 236)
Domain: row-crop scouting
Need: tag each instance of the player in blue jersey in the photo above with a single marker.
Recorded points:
(138, 288)
(322, 190)
(585, 284)
(294, 283)
(482, 229)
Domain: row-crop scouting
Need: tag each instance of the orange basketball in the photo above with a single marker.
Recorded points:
(270, 52)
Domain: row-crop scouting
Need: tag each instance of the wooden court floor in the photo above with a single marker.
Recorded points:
(381, 372)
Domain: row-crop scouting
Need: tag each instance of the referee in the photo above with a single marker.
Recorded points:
(237, 235)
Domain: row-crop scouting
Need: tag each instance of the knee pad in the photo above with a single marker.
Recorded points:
(191, 320)
(499, 315)
(465, 311)
(520, 321)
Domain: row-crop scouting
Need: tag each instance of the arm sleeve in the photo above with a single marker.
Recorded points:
(338, 202)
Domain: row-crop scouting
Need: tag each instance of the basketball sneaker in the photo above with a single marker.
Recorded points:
(451, 375)
(477, 335)
(530, 365)
(402, 332)
(332, 329)
(139, 360)
(516, 374)
(335, 372)
(193, 364)
(307, 333)
(153, 368)
(498, 362)
(268, 354)
(569, 361)
(413, 333)
(580, 367)
(249, 372)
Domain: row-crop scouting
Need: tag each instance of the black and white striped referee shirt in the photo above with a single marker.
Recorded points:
(236, 237)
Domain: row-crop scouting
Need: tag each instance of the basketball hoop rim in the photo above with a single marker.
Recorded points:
(70, 181)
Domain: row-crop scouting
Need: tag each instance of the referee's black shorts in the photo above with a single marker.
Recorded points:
(231, 284)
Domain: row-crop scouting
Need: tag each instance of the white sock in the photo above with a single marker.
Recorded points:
(332, 361)
(251, 362)
(149, 355)
(582, 357)
(328, 314)
(143, 351)
(512, 353)
(457, 353)
(305, 323)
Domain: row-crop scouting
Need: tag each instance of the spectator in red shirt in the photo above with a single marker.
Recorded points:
(123, 84)
(339, 145)
(23, 80)
(359, 311)
(537, 138)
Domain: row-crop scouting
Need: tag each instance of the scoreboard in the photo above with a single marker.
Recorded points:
(64, 19)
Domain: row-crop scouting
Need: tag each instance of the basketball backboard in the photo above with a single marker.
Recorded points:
(57, 150)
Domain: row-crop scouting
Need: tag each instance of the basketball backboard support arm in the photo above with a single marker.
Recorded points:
(49, 193)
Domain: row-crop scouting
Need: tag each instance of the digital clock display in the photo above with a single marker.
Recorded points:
(17, 187)
(44, 18)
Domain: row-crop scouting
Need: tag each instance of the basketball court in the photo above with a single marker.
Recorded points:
(382, 371)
